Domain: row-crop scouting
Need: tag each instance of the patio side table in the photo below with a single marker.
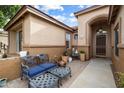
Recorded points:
(46, 80)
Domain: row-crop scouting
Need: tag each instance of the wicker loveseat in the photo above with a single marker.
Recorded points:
(34, 65)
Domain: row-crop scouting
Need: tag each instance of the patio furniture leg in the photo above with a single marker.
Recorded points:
(70, 75)
(61, 72)
(60, 82)
(21, 77)
(29, 83)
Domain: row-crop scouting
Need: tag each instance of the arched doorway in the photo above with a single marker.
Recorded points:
(99, 35)
(101, 42)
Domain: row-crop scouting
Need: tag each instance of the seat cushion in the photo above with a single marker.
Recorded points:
(35, 70)
(47, 65)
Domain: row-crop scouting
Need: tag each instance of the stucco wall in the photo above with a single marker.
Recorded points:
(51, 51)
(83, 20)
(12, 31)
(43, 32)
(74, 42)
(4, 37)
(84, 30)
(12, 42)
(122, 24)
(41, 36)
(120, 20)
(26, 30)
(118, 60)
(10, 68)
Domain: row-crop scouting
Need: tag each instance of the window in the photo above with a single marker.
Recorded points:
(76, 36)
(116, 40)
(68, 40)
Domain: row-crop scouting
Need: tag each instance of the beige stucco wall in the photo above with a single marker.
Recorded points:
(51, 51)
(37, 33)
(84, 19)
(10, 68)
(4, 37)
(43, 33)
(26, 27)
(121, 15)
(118, 60)
(12, 41)
(74, 42)
(84, 29)
(12, 36)
(119, 19)
(41, 36)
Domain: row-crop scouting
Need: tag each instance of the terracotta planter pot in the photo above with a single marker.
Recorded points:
(82, 56)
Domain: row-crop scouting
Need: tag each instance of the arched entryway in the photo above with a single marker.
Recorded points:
(99, 37)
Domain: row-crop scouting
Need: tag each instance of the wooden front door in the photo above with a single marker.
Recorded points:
(101, 45)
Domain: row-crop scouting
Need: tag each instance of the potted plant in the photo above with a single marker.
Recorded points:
(65, 56)
(3, 82)
(82, 55)
(69, 53)
(119, 79)
(4, 55)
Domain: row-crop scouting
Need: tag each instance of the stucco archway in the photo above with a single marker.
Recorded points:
(93, 26)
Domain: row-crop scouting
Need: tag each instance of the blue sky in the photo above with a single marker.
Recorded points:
(63, 13)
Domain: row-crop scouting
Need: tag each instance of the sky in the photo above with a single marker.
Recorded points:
(63, 13)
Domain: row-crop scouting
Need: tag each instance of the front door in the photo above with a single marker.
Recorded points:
(101, 45)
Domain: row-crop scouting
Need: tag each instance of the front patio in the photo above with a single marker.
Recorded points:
(92, 73)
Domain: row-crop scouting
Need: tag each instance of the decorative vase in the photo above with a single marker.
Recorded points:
(70, 59)
(3, 82)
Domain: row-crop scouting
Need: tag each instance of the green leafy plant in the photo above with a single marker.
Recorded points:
(7, 12)
(82, 52)
(65, 53)
(57, 58)
(69, 52)
(119, 79)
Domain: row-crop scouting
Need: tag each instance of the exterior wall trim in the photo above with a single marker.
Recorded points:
(89, 9)
(121, 46)
(44, 46)
(30, 9)
(21, 12)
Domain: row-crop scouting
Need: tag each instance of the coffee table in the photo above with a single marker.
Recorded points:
(61, 72)
(45, 80)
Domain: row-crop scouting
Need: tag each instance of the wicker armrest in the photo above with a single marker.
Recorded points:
(52, 60)
(24, 66)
